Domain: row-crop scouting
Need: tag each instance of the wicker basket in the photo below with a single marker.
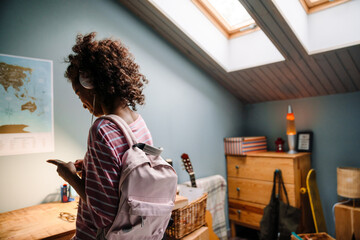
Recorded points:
(188, 218)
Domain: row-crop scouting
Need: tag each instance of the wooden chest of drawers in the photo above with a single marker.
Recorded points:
(250, 180)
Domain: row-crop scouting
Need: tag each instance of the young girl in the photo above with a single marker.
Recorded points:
(107, 81)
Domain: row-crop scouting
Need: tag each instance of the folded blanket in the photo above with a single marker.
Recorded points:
(215, 186)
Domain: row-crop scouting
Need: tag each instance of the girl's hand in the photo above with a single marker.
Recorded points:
(68, 172)
(65, 170)
(79, 164)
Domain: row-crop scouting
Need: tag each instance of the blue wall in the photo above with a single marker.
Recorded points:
(335, 123)
(186, 110)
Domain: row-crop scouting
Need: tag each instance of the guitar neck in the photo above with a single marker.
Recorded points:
(188, 167)
(192, 179)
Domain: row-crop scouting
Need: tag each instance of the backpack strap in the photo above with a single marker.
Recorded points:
(130, 137)
(128, 134)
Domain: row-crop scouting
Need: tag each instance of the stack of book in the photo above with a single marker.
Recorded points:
(245, 145)
(180, 202)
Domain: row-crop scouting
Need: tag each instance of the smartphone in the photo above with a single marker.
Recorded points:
(55, 161)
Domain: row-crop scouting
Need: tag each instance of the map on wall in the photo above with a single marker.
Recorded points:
(26, 105)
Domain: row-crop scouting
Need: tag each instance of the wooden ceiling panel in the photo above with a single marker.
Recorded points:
(285, 85)
(267, 83)
(340, 71)
(281, 88)
(319, 73)
(355, 55)
(350, 67)
(300, 75)
(330, 73)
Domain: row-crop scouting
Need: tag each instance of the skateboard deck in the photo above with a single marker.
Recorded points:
(315, 203)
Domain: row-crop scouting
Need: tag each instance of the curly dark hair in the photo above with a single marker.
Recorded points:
(110, 66)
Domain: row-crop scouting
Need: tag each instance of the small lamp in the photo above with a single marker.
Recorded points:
(291, 130)
(348, 182)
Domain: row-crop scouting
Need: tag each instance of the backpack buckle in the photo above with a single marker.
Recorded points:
(142, 221)
(149, 149)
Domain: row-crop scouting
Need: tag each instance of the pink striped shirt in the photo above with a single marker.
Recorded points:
(102, 166)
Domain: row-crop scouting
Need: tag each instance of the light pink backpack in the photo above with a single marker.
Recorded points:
(147, 191)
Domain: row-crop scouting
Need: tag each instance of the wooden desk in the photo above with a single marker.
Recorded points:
(38, 222)
(43, 221)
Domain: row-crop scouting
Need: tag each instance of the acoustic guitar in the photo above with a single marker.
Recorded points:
(189, 169)
(208, 218)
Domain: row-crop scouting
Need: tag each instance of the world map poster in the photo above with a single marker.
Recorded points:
(26, 105)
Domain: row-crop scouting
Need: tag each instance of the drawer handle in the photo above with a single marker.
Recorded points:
(238, 211)
(238, 189)
(237, 166)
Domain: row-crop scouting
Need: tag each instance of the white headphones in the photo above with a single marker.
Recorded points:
(85, 82)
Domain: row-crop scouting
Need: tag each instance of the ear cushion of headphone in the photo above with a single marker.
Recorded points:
(86, 82)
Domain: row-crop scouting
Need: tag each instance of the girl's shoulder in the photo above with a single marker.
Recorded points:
(103, 127)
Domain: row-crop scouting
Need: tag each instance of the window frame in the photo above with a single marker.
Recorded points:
(311, 7)
(215, 17)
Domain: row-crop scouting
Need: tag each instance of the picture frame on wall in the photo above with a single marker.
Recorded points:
(304, 141)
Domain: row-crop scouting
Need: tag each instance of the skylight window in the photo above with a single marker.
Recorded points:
(312, 6)
(326, 30)
(229, 16)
